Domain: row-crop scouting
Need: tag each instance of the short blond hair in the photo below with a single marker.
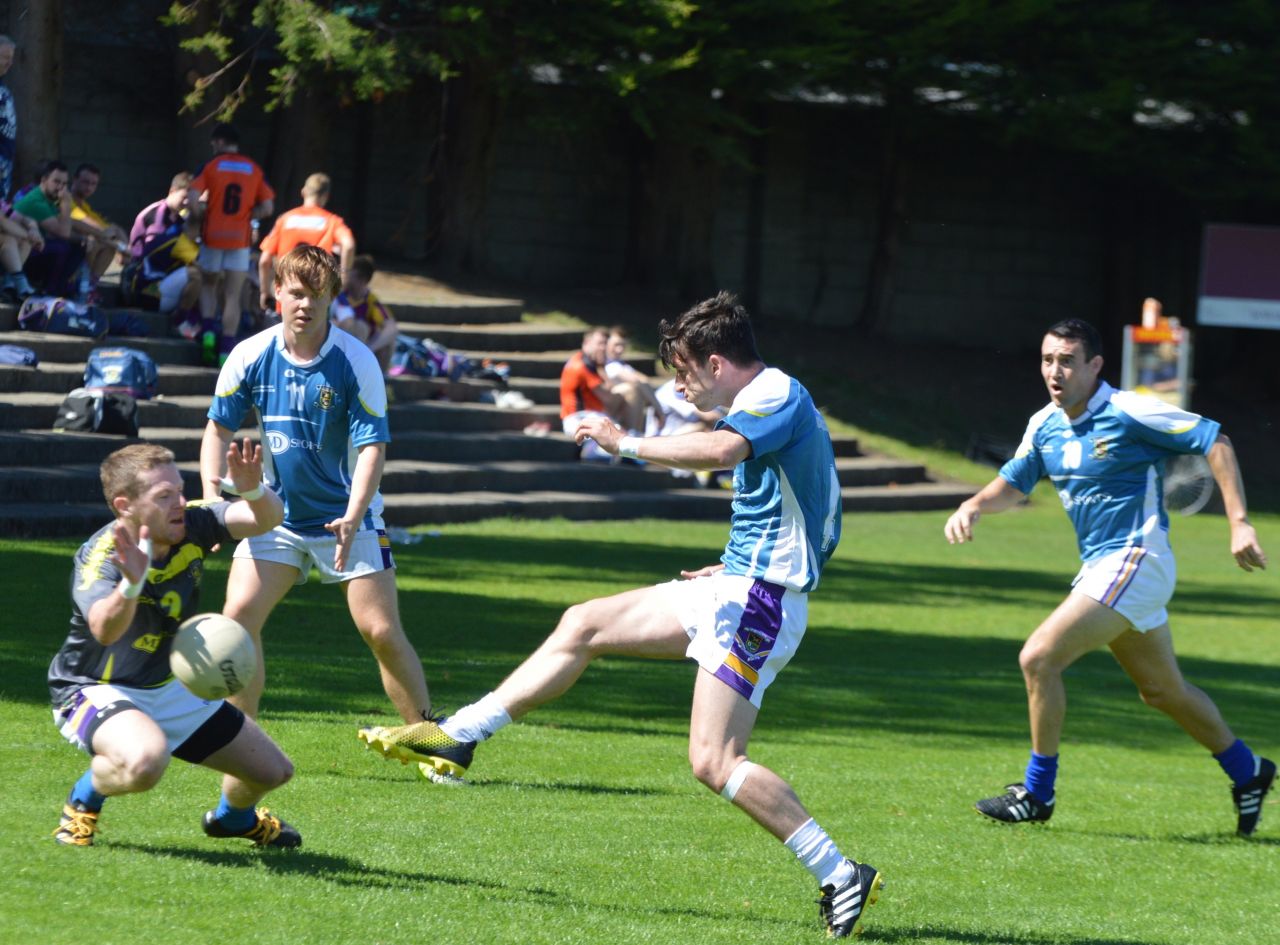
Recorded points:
(314, 267)
(181, 181)
(121, 472)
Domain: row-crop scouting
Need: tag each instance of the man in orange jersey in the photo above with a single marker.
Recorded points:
(229, 192)
(312, 224)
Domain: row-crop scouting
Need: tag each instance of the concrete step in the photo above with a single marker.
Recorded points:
(516, 336)
(69, 348)
(43, 520)
(479, 311)
(37, 410)
(63, 376)
(912, 497)
(877, 471)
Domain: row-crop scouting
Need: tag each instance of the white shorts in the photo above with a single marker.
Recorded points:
(171, 287)
(223, 260)
(171, 706)
(741, 630)
(370, 552)
(1136, 583)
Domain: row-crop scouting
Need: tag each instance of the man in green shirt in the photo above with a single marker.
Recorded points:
(52, 270)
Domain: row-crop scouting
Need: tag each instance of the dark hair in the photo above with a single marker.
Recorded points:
(48, 167)
(720, 325)
(1077, 329)
(225, 131)
(86, 166)
(363, 267)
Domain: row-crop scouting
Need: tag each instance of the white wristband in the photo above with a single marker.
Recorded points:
(249, 495)
(132, 589)
(627, 447)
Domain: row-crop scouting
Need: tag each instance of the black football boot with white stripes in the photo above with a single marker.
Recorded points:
(1248, 797)
(1016, 806)
(842, 906)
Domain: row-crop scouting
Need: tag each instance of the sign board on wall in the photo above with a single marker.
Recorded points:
(1240, 277)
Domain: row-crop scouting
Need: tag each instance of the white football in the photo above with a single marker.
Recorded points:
(213, 656)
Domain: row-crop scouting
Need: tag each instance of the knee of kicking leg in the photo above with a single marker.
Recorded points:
(713, 766)
(282, 774)
(1157, 696)
(379, 633)
(576, 627)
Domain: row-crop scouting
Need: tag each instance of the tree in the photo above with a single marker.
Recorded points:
(36, 80)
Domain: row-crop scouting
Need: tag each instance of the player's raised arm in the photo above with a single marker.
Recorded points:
(213, 458)
(1245, 547)
(995, 496)
(261, 509)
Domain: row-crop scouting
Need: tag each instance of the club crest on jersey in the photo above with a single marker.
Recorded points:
(325, 397)
(1101, 448)
(751, 642)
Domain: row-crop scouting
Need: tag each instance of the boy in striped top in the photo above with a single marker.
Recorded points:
(1104, 451)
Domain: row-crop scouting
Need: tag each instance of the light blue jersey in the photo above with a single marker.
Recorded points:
(313, 418)
(786, 495)
(1108, 465)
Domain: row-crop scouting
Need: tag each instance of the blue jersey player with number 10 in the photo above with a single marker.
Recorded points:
(1104, 451)
(740, 620)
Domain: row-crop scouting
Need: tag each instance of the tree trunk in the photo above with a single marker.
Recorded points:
(472, 112)
(36, 81)
(877, 308)
(191, 139)
(300, 145)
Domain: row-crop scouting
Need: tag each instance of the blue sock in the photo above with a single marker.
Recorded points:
(1239, 762)
(1042, 771)
(83, 793)
(235, 819)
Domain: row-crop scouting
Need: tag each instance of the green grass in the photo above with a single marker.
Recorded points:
(584, 825)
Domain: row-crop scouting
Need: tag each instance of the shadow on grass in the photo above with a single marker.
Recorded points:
(1220, 839)
(344, 871)
(328, 867)
(988, 938)
(846, 677)
(557, 787)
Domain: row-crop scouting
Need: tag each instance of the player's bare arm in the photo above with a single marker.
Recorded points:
(702, 572)
(1245, 547)
(110, 617)
(995, 496)
(260, 509)
(213, 457)
(714, 449)
(364, 484)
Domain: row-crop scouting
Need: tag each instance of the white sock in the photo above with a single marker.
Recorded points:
(819, 854)
(478, 721)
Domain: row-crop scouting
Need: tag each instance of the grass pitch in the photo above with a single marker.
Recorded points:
(584, 824)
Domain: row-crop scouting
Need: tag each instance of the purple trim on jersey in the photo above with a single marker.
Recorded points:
(384, 543)
(755, 637)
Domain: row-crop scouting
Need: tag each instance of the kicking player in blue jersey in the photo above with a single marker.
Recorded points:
(741, 620)
(1104, 451)
(113, 693)
(322, 414)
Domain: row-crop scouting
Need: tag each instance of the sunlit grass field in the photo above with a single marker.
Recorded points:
(584, 825)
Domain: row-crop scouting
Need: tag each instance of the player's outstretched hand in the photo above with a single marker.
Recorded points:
(702, 572)
(603, 430)
(344, 531)
(1245, 547)
(244, 465)
(959, 527)
(130, 558)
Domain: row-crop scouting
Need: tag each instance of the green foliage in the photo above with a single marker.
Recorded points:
(584, 825)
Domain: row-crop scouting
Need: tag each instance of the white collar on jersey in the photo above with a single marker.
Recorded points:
(325, 348)
(1096, 403)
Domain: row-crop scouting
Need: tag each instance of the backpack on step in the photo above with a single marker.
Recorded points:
(62, 317)
(122, 370)
(97, 411)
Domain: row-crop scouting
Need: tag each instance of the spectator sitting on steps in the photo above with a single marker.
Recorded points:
(357, 311)
(52, 269)
(628, 383)
(18, 235)
(585, 392)
(103, 240)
